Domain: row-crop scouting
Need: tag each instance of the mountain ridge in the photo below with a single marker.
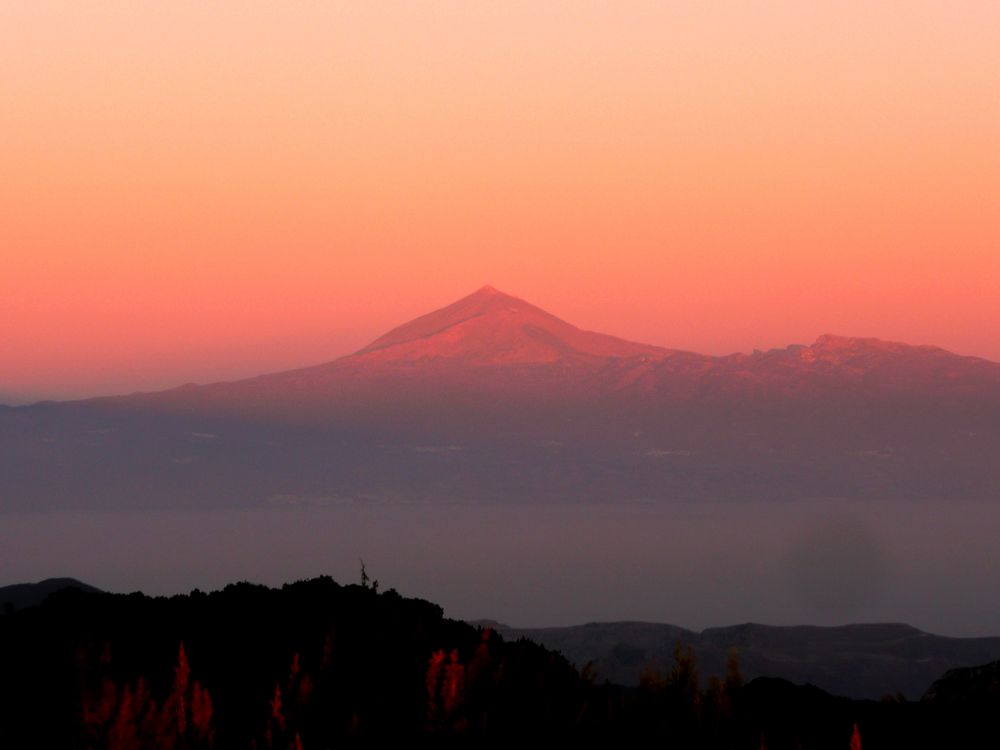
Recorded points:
(492, 329)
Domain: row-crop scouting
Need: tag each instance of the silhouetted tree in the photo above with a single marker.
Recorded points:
(855, 738)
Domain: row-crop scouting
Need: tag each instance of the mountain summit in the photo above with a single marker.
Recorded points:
(490, 327)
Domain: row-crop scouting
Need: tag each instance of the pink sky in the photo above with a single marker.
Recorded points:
(196, 191)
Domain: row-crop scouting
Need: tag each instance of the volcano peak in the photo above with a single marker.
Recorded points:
(489, 326)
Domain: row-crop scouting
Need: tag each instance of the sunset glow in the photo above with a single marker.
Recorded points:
(207, 191)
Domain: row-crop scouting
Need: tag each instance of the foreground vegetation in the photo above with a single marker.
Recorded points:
(316, 665)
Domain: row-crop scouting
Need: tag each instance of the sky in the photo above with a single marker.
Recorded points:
(202, 191)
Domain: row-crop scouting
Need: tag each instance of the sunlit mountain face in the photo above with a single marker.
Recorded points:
(492, 398)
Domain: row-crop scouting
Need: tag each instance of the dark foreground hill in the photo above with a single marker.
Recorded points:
(856, 661)
(978, 685)
(318, 665)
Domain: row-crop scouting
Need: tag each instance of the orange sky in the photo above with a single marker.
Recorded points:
(199, 191)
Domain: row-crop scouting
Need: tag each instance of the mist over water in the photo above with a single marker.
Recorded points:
(694, 565)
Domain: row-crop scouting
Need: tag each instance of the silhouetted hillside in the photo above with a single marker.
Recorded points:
(313, 659)
(21, 595)
(979, 686)
(315, 664)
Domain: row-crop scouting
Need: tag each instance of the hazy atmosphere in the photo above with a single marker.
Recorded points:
(693, 566)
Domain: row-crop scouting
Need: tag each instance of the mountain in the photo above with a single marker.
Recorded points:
(492, 328)
(492, 398)
(491, 342)
(856, 661)
(485, 343)
(21, 595)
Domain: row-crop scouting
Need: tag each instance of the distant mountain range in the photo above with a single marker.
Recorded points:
(856, 661)
(492, 398)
